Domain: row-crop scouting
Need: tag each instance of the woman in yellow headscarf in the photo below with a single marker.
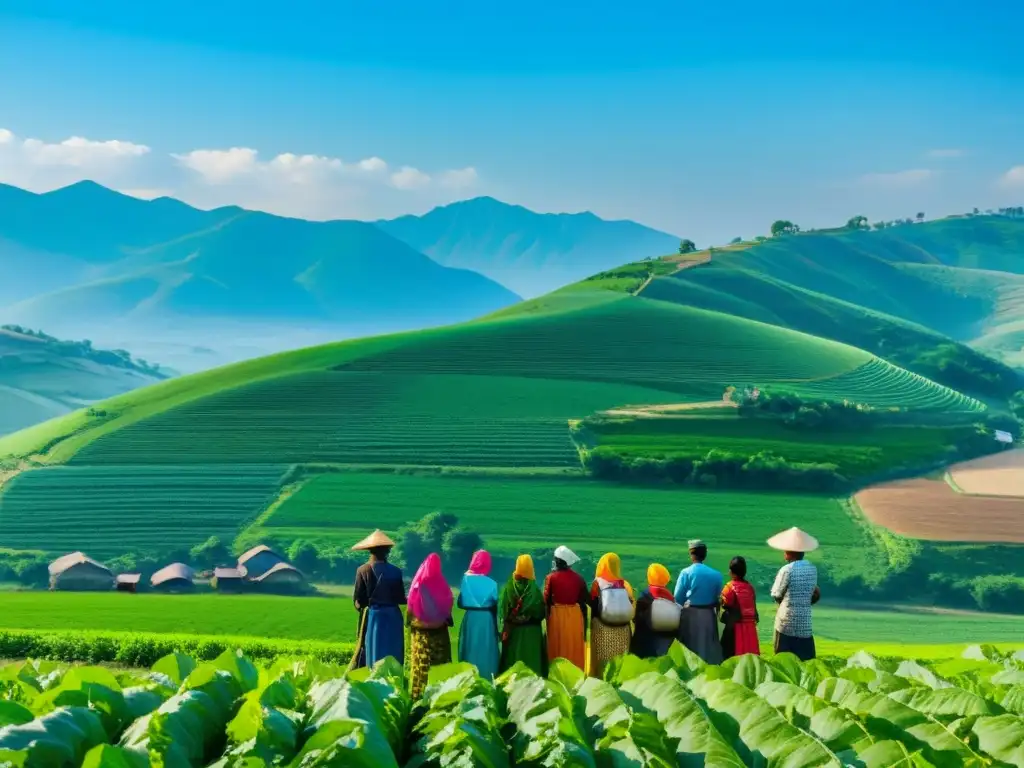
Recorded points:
(521, 611)
(611, 604)
(657, 616)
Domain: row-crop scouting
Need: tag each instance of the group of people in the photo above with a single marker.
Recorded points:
(502, 626)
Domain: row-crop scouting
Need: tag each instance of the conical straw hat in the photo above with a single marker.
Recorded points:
(793, 540)
(376, 539)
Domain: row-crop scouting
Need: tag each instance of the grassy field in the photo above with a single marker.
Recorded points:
(535, 514)
(856, 453)
(111, 510)
(838, 630)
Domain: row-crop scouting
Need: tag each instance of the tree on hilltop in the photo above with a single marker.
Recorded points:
(784, 227)
(857, 222)
(920, 217)
(686, 246)
(736, 240)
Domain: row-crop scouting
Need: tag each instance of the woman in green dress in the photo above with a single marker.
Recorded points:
(521, 610)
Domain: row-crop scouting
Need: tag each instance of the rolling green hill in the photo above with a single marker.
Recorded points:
(42, 377)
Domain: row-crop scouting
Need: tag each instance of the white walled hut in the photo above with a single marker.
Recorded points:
(282, 578)
(176, 577)
(258, 560)
(79, 573)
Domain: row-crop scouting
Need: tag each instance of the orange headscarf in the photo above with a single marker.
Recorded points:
(657, 581)
(524, 568)
(609, 568)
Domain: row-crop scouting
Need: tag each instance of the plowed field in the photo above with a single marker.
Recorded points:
(999, 475)
(931, 509)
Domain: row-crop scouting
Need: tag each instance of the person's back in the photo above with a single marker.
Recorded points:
(699, 585)
(796, 582)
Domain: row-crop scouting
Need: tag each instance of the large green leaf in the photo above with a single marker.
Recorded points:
(346, 744)
(56, 740)
(1012, 700)
(107, 756)
(185, 731)
(566, 673)
(624, 735)
(684, 719)
(891, 754)
(762, 730)
(12, 713)
(1001, 737)
(946, 703)
(886, 716)
(92, 687)
(918, 673)
(240, 668)
(686, 663)
(836, 727)
(547, 732)
(176, 666)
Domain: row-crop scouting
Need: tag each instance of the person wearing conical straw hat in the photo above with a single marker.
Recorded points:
(567, 599)
(698, 590)
(795, 590)
(378, 593)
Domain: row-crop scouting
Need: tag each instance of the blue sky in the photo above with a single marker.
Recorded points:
(707, 120)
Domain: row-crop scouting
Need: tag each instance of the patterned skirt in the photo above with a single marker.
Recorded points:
(427, 648)
(606, 642)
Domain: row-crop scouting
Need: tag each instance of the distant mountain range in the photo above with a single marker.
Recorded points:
(198, 288)
(530, 253)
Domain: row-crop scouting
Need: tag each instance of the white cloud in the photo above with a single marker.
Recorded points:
(78, 152)
(898, 179)
(459, 179)
(218, 166)
(409, 178)
(1013, 177)
(940, 154)
(372, 164)
(6, 137)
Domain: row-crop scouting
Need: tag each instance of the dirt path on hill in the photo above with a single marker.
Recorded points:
(1001, 474)
(665, 410)
(8, 474)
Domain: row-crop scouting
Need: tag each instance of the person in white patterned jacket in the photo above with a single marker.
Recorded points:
(795, 590)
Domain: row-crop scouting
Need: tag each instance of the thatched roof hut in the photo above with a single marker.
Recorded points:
(229, 579)
(281, 578)
(128, 582)
(259, 560)
(78, 572)
(176, 577)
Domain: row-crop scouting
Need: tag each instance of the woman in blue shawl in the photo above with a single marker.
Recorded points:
(478, 635)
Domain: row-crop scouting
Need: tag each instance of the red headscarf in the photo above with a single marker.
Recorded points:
(480, 565)
(430, 597)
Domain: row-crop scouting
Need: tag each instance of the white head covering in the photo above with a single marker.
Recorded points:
(566, 555)
(793, 540)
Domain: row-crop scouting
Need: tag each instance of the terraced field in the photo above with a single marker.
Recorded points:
(372, 418)
(107, 511)
(533, 514)
(882, 384)
(856, 453)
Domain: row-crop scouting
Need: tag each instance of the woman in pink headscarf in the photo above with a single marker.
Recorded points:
(429, 615)
(478, 635)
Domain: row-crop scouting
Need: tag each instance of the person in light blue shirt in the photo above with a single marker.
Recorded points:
(698, 590)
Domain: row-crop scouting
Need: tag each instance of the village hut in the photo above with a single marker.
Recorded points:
(128, 582)
(176, 577)
(229, 579)
(282, 579)
(258, 560)
(78, 572)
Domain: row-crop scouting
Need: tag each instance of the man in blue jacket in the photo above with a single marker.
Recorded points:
(698, 590)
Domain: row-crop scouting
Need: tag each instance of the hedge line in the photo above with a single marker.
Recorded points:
(136, 649)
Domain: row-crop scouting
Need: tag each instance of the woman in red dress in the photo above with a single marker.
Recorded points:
(739, 613)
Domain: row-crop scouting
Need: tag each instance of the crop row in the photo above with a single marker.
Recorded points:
(882, 384)
(675, 711)
(114, 509)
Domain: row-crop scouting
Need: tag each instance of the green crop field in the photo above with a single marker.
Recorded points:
(534, 514)
(856, 453)
(112, 510)
(367, 418)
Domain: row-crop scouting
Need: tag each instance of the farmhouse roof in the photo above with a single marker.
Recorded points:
(247, 556)
(278, 568)
(62, 564)
(229, 573)
(172, 571)
(129, 578)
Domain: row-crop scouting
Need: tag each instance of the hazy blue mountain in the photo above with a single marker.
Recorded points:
(86, 257)
(530, 253)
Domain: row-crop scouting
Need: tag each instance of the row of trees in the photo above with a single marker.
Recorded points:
(115, 358)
